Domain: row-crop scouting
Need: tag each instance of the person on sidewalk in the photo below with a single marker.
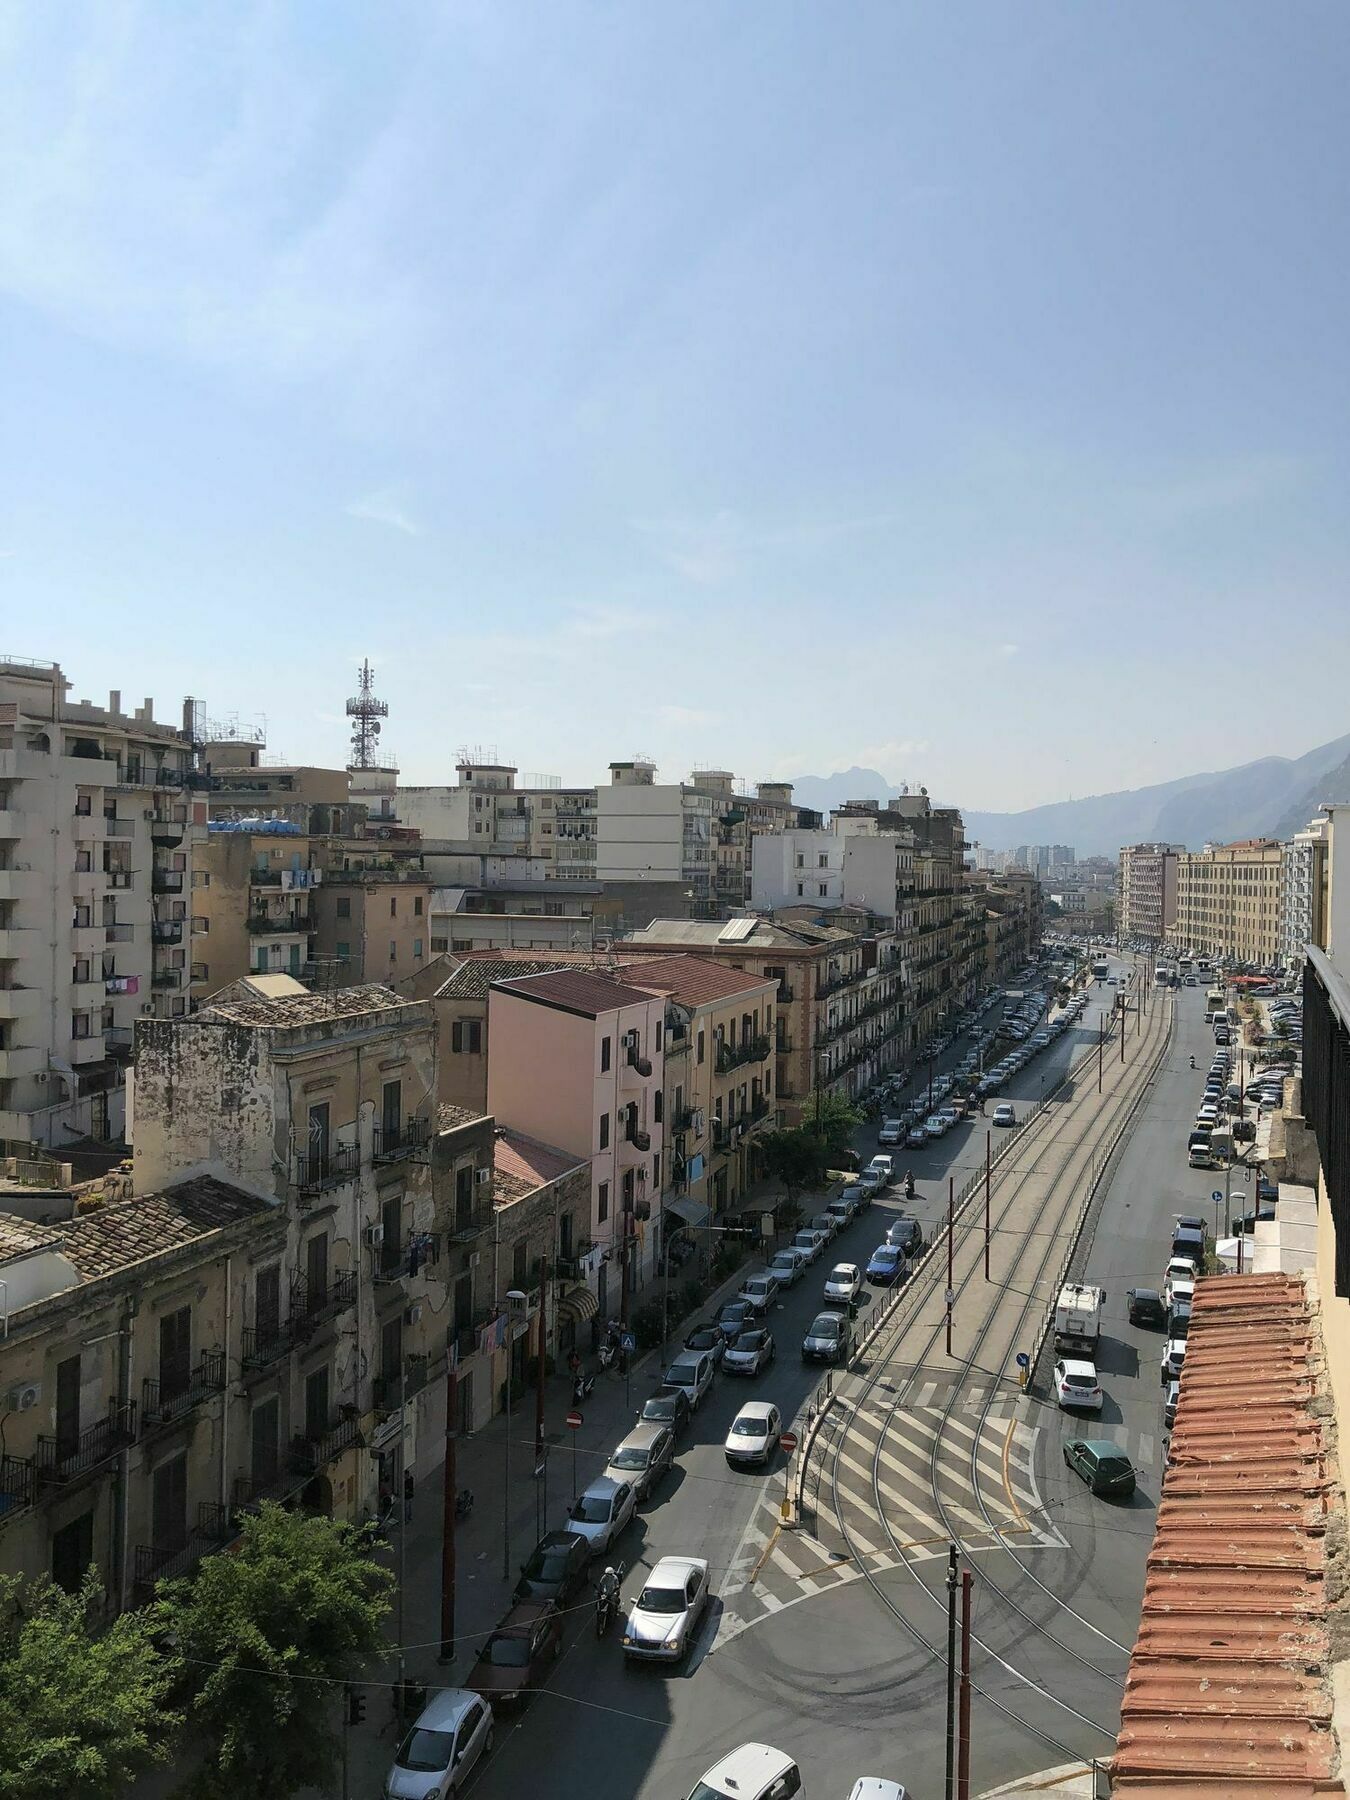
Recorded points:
(408, 1485)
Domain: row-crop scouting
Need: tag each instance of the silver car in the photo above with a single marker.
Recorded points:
(602, 1511)
(666, 1613)
(438, 1754)
(643, 1457)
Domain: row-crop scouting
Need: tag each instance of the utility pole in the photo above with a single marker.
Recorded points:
(448, 1514)
(951, 1232)
(506, 1456)
(539, 1367)
(1101, 1039)
(949, 1788)
(988, 1153)
(1122, 1034)
(963, 1729)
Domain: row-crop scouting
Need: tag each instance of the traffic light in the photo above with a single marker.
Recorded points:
(356, 1705)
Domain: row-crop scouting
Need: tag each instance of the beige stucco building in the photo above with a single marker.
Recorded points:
(100, 810)
(1146, 897)
(1228, 900)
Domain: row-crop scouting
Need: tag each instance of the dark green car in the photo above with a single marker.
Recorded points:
(1103, 1465)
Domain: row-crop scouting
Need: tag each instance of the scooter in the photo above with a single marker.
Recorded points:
(909, 1185)
(607, 1353)
(1192, 1062)
(581, 1386)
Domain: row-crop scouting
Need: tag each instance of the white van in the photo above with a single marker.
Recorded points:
(753, 1772)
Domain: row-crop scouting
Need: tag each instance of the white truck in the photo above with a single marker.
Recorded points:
(1078, 1318)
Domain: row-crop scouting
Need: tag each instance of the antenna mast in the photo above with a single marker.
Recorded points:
(367, 712)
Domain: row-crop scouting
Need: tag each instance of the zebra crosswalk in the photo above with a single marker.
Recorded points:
(870, 1499)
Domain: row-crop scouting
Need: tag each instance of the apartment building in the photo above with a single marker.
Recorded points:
(325, 1101)
(370, 924)
(457, 989)
(251, 907)
(1228, 900)
(719, 1079)
(578, 1062)
(100, 814)
(245, 784)
(1146, 896)
(1302, 894)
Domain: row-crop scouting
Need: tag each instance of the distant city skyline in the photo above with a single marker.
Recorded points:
(930, 390)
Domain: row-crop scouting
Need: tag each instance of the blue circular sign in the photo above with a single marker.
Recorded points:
(1023, 1360)
(1217, 1195)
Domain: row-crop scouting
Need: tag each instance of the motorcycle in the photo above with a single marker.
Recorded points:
(1192, 1062)
(909, 1185)
(463, 1503)
(581, 1387)
(608, 1351)
(607, 1598)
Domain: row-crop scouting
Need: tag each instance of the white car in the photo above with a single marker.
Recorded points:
(843, 1284)
(883, 1167)
(810, 1242)
(1004, 1113)
(692, 1374)
(759, 1290)
(1174, 1354)
(451, 1733)
(754, 1433)
(871, 1180)
(935, 1126)
(787, 1266)
(890, 1133)
(666, 1613)
(1179, 1284)
(602, 1511)
(1076, 1384)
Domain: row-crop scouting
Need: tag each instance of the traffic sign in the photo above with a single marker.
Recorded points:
(575, 1421)
(788, 1439)
(1217, 1195)
(1023, 1360)
(628, 1343)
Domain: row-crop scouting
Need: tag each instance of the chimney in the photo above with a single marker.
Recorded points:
(115, 701)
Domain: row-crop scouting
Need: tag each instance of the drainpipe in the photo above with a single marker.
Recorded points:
(225, 1391)
(119, 1519)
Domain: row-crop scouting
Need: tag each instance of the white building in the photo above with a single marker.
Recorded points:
(98, 812)
(1301, 910)
(797, 865)
(650, 831)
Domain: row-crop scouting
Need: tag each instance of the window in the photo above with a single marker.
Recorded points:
(699, 1049)
(391, 1348)
(417, 905)
(417, 947)
(72, 1552)
(519, 1263)
(175, 1352)
(604, 1054)
(391, 1217)
(823, 890)
(799, 890)
(393, 906)
(657, 1099)
(391, 1111)
(67, 1406)
(602, 1203)
(439, 946)
(604, 1131)
(320, 1142)
(393, 950)
(316, 1403)
(316, 1270)
(822, 862)
(344, 906)
(168, 1504)
(344, 951)
(801, 860)
(457, 1037)
(464, 1197)
(267, 1302)
(656, 1171)
(264, 1432)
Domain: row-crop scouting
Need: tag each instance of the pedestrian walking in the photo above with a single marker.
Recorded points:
(407, 1496)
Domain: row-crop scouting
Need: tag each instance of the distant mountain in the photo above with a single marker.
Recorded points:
(1254, 800)
(824, 792)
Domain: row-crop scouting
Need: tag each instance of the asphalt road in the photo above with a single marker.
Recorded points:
(821, 1681)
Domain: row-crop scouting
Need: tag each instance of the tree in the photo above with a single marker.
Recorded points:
(795, 1157)
(83, 1710)
(267, 1636)
(833, 1121)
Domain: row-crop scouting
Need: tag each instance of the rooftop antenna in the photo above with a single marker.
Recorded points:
(367, 711)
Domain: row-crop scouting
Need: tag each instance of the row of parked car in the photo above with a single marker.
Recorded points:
(887, 1093)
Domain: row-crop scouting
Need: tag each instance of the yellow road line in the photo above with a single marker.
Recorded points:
(1017, 1512)
(764, 1556)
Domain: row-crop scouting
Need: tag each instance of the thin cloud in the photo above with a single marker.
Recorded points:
(683, 715)
(1007, 650)
(384, 509)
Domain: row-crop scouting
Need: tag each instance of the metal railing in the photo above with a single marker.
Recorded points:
(402, 1261)
(167, 881)
(635, 1135)
(167, 931)
(162, 1402)
(311, 1305)
(389, 1390)
(319, 1169)
(406, 1139)
(310, 1451)
(18, 1485)
(260, 924)
(66, 1459)
(264, 1344)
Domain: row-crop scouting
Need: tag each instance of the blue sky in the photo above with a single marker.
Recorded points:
(956, 389)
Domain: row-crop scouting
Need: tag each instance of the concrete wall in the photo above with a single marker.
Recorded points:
(205, 1100)
(639, 833)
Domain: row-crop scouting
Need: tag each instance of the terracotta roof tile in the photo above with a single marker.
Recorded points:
(127, 1231)
(694, 979)
(521, 1165)
(584, 991)
(279, 1013)
(1228, 1691)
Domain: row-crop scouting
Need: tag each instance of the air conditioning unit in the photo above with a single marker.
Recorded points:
(630, 1039)
(413, 1314)
(374, 1236)
(475, 1258)
(482, 1176)
(23, 1399)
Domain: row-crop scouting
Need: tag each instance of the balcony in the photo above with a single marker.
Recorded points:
(683, 1120)
(636, 1136)
(322, 1169)
(753, 1049)
(154, 1564)
(168, 778)
(388, 1392)
(786, 995)
(167, 834)
(119, 1040)
(167, 978)
(251, 1490)
(759, 1110)
(17, 1002)
(640, 1063)
(410, 1138)
(401, 1262)
(312, 1451)
(67, 1459)
(835, 982)
(312, 1305)
(18, 1485)
(118, 878)
(114, 827)
(288, 924)
(163, 1402)
(167, 931)
(167, 881)
(264, 1345)
(264, 878)
(119, 934)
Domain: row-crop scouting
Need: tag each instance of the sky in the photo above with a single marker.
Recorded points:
(955, 390)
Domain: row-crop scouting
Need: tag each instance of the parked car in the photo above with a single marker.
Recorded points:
(810, 1242)
(871, 1180)
(555, 1568)
(669, 1407)
(643, 1457)
(664, 1617)
(1174, 1354)
(733, 1316)
(751, 1772)
(1146, 1306)
(758, 1291)
(1076, 1384)
(601, 1512)
(691, 1371)
(843, 1284)
(451, 1734)
(754, 1433)
(1170, 1399)
(827, 1224)
(883, 1168)
(1004, 1113)
(935, 1126)
(710, 1337)
(917, 1135)
(752, 1352)
(1102, 1464)
(906, 1234)
(885, 1266)
(516, 1658)
(787, 1266)
(829, 1338)
(891, 1132)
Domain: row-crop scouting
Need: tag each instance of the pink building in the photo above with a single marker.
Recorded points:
(578, 1061)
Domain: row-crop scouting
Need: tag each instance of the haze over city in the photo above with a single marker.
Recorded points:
(954, 391)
